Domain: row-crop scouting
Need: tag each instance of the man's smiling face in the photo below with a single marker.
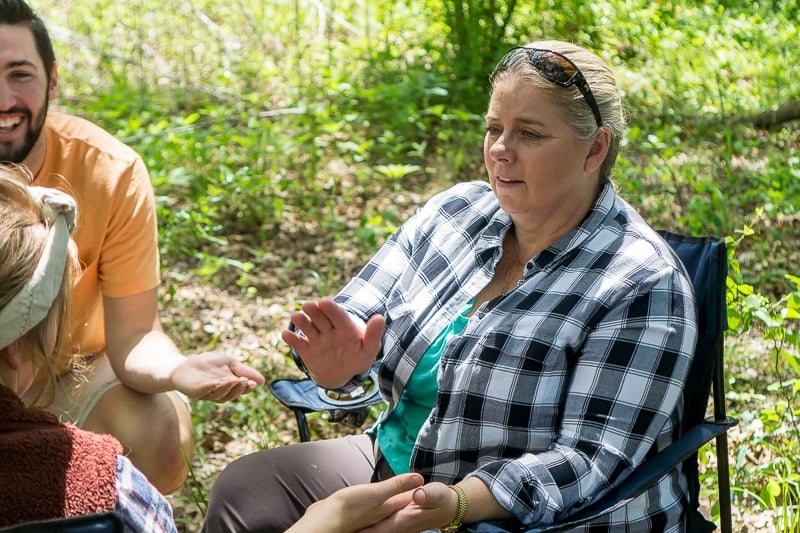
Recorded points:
(25, 92)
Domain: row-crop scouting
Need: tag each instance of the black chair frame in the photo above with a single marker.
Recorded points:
(108, 522)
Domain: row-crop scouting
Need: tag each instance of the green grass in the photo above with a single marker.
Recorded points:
(286, 140)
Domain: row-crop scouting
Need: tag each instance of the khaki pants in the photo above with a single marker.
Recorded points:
(77, 392)
(268, 491)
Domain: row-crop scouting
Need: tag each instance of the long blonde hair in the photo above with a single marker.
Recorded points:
(23, 237)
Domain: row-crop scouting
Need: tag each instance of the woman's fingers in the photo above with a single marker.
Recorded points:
(317, 316)
(373, 334)
(336, 315)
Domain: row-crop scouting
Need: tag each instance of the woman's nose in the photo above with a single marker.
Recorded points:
(499, 150)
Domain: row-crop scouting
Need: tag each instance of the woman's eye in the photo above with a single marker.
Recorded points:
(527, 134)
(492, 130)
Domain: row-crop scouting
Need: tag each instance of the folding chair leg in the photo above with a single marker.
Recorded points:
(723, 475)
(723, 484)
(302, 425)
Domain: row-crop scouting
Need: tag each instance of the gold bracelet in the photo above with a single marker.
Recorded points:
(455, 525)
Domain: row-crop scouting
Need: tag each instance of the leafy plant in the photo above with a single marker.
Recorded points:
(287, 140)
(775, 483)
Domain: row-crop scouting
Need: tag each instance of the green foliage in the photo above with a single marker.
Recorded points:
(291, 138)
(774, 483)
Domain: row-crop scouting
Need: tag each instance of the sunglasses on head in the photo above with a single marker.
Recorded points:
(554, 67)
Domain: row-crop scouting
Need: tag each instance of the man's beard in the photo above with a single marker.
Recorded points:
(8, 151)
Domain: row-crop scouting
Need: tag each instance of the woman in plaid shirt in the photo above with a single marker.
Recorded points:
(533, 334)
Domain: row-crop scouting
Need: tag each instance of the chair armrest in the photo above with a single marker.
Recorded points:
(305, 396)
(635, 484)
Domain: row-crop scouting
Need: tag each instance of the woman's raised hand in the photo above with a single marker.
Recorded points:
(333, 346)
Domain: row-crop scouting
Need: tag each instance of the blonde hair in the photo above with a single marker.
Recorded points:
(23, 237)
(575, 110)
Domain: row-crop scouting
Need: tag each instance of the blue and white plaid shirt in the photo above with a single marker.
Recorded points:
(557, 389)
(142, 507)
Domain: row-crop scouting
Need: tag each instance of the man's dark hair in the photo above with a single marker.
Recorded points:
(18, 13)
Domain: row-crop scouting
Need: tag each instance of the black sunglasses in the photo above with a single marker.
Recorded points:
(556, 68)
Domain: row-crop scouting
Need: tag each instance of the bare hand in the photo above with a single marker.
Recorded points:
(433, 505)
(354, 508)
(215, 376)
(333, 346)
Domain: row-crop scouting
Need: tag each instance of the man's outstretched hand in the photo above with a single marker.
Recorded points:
(215, 376)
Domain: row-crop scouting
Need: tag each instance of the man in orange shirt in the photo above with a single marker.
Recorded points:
(136, 381)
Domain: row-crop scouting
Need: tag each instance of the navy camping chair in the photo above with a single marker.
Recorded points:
(303, 396)
(108, 522)
(705, 259)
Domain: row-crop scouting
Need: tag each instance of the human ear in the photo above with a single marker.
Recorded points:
(52, 90)
(597, 150)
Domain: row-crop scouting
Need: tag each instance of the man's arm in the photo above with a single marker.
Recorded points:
(142, 355)
(145, 358)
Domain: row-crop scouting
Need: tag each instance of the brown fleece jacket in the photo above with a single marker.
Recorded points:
(49, 469)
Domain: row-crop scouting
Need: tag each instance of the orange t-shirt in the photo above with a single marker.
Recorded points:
(116, 231)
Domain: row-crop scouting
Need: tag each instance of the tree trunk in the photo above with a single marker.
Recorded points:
(784, 113)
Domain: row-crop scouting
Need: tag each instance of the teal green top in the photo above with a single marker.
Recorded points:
(398, 432)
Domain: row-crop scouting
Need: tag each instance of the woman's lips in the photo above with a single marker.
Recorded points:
(506, 181)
